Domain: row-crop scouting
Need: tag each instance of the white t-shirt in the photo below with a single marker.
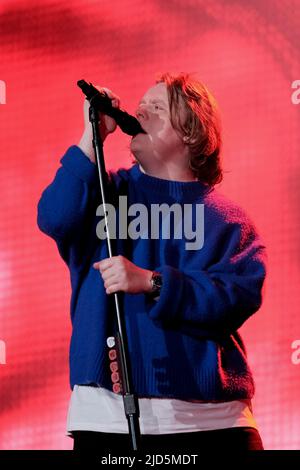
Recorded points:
(98, 409)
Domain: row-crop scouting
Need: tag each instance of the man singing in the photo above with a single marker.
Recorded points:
(183, 304)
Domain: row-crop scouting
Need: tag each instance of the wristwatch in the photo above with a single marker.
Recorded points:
(156, 282)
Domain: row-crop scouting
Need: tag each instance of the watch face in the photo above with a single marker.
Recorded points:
(156, 281)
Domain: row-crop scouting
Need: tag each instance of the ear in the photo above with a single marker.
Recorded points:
(187, 139)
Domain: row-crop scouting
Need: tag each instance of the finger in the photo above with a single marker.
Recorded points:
(115, 98)
(115, 103)
(111, 282)
(109, 276)
(96, 265)
(106, 263)
(100, 88)
(112, 288)
(103, 264)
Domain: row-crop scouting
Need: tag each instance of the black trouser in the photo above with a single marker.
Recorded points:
(233, 439)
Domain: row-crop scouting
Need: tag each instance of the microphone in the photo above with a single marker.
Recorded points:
(99, 99)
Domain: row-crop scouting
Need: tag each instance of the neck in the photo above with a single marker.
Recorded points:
(169, 172)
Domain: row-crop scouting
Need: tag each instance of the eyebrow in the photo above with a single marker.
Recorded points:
(155, 100)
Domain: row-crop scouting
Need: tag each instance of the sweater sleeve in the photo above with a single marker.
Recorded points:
(219, 299)
(68, 204)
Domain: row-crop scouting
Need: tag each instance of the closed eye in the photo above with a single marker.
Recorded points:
(155, 104)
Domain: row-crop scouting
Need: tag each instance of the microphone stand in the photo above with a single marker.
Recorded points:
(130, 400)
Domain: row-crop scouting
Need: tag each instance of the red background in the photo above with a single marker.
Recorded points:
(248, 55)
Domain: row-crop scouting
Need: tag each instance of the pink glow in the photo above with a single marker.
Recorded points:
(247, 54)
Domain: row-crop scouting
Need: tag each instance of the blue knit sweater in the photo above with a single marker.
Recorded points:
(185, 345)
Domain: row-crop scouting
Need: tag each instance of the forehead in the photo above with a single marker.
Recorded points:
(158, 91)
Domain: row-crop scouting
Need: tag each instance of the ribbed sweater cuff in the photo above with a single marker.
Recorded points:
(77, 163)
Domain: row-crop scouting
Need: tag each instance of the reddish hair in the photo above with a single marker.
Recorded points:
(199, 123)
